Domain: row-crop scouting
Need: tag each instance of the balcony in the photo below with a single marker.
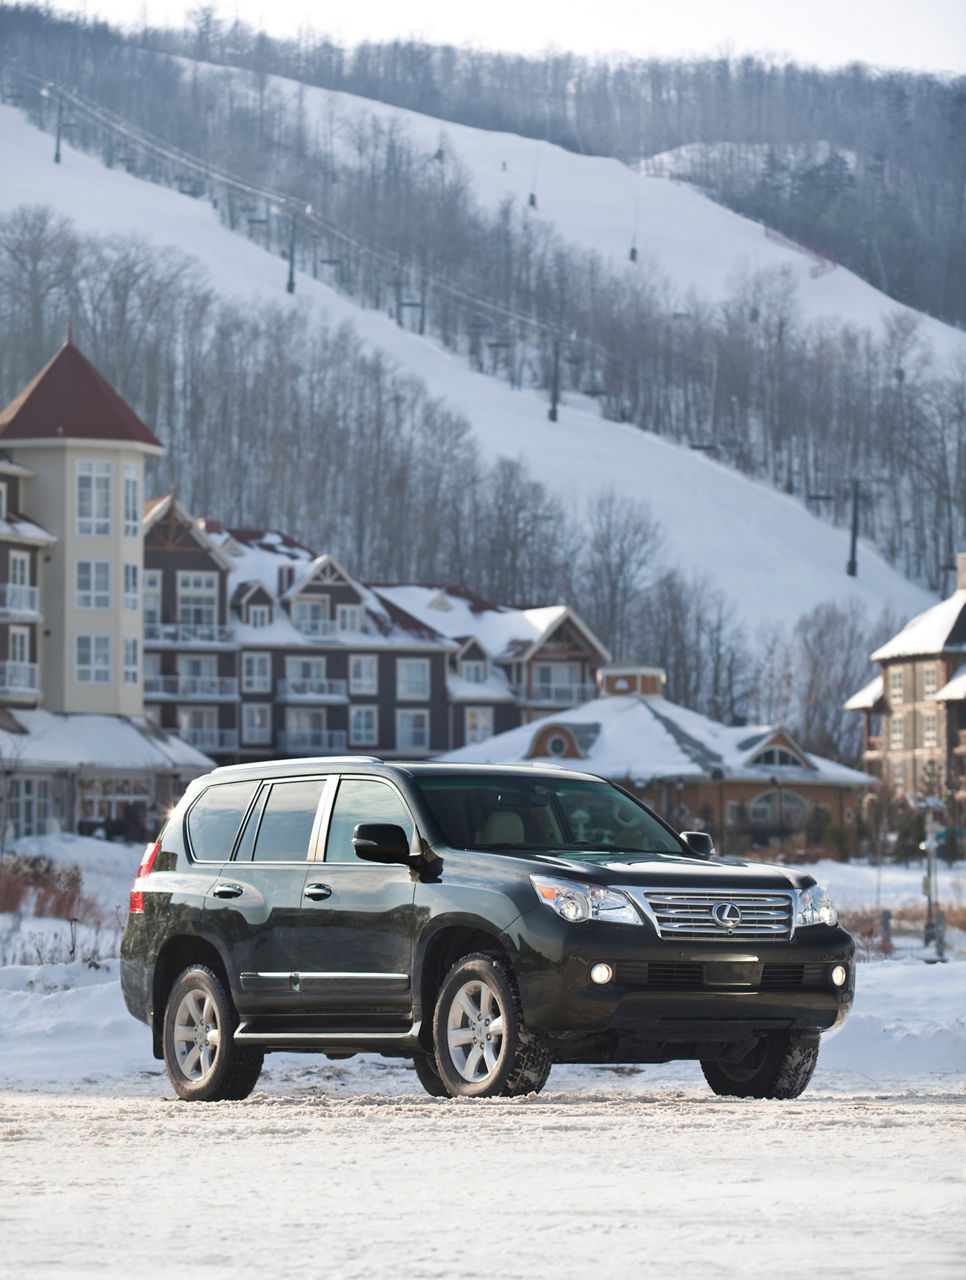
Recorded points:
(187, 635)
(214, 741)
(316, 627)
(18, 680)
(556, 694)
(960, 748)
(312, 691)
(186, 688)
(312, 741)
(18, 599)
(873, 750)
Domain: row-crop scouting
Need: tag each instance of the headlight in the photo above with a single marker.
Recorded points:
(815, 906)
(575, 902)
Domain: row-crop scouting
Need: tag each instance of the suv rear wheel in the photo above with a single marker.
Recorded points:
(204, 1063)
(483, 1048)
(777, 1067)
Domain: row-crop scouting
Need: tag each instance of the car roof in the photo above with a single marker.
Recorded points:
(376, 766)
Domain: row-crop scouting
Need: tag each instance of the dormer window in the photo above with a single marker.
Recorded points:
(475, 671)
(348, 617)
(780, 757)
(286, 576)
(259, 615)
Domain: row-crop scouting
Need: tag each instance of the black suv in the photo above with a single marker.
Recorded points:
(485, 922)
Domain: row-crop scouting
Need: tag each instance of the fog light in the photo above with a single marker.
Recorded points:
(601, 974)
(839, 975)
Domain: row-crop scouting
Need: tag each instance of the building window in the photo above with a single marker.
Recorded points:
(18, 645)
(92, 659)
(92, 584)
(929, 679)
(152, 596)
(3, 500)
(778, 756)
(363, 673)
(256, 673)
(197, 598)
(348, 617)
(132, 500)
(930, 733)
(412, 678)
(475, 672)
(412, 730)
(479, 724)
(311, 616)
(259, 615)
(363, 726)
(895, 684)
(93, 498)
(20, 568)
(557, 745)
(896, 738)
(898, 775)
(256, 722)
(197, 666)
(131, 673)
(132, 596)
(28, 806)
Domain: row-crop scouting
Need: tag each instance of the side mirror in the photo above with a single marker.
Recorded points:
(381, 842)
(699, 843)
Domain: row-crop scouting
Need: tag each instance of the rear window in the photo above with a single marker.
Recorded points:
(214, 818)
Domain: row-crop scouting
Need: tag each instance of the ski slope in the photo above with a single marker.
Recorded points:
(763, 549)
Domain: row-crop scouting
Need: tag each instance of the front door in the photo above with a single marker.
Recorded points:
(356, 940)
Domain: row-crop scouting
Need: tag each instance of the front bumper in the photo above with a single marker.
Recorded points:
(667, 995)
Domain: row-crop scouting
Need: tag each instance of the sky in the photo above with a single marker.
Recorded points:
(925, 35)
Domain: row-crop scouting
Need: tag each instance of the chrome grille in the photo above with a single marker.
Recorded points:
(683, 913)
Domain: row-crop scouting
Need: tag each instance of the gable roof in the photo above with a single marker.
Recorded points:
(155, 509)
(647, 737)
(940, 629)
(68, 399)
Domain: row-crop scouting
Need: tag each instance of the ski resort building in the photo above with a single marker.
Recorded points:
(915, 709)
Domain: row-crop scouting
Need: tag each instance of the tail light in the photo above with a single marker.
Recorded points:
(147, 862)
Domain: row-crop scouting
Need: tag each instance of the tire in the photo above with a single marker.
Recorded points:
(204, 1063)
(777, 1067)
(429, 1077)
(480, 998)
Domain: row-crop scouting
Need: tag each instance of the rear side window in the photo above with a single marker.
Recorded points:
(214, 818)
(287, 820)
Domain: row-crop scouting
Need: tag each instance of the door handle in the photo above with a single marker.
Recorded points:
(227, 891)
(317, 892)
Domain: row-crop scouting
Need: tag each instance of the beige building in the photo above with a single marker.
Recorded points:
(84, 450)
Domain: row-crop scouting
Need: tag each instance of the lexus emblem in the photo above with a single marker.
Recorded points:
(727, 914)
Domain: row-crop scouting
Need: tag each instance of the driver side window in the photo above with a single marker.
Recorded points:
(362, 800)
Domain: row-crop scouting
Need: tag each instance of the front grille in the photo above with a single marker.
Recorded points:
(692, 975)
(636, 973)
(690, 914)
(788, 977)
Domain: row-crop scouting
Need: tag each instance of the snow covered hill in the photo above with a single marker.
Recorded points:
(763, 549)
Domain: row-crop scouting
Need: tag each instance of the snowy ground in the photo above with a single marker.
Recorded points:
(348, 1167)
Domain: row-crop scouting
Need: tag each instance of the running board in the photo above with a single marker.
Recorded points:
(306, 1039)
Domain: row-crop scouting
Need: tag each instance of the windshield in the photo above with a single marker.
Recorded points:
(571, 815)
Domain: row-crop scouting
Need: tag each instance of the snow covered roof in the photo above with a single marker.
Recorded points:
(96, 742)
(155, 509)
(939, 629)
(645, 738)
(867, 697)
(955, 689)
(507, 634)
(21, 529)
(69, 399)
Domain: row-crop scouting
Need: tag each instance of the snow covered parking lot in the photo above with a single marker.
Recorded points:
(349, 1169)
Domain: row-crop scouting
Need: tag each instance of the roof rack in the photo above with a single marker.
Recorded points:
(286, 760)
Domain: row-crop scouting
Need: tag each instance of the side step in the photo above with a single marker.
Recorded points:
(358, 1041)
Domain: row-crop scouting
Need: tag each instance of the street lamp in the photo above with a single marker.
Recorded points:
(776, 783)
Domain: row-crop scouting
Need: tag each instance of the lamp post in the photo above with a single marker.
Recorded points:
(717, 775)
(775, 782)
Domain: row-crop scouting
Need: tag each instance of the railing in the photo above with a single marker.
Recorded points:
(874, 745)
(185, 687)
(312, 740)
(187, 633)
(316, 626)
(562, 694)
(218, 740)
(17, 598)
(312, 690)
(19, 678)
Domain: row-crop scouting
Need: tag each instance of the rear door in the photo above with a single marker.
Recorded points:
(255, 907)
(356, 941)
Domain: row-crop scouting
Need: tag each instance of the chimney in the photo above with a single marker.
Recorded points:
(961, 571)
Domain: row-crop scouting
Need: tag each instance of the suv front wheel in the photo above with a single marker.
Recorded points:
(204, 1063)
(778, 1067)
(483, 1048)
